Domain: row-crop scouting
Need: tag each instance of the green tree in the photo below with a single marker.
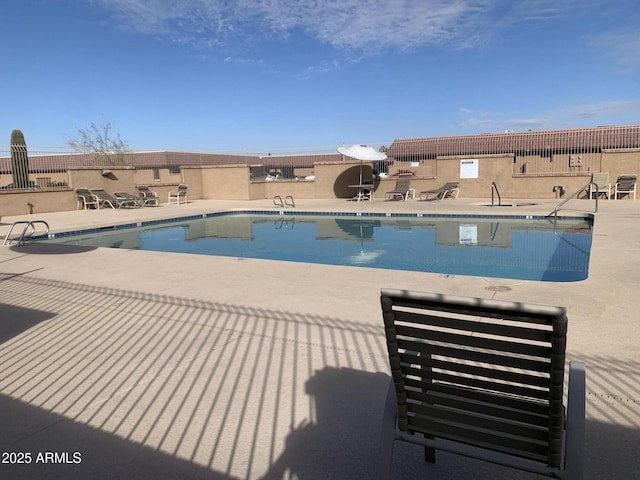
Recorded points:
(108, 147)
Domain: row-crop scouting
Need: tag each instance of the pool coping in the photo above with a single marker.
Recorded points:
(271, 215)
(186, 218)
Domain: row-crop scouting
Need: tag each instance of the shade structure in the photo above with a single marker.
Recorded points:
(362, 153)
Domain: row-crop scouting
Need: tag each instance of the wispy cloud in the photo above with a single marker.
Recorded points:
(602, 113)
(542, 122)
(351, 25)
(477, 120)
(487, 123)
(605, 109)
(622, 46)
(322, 67)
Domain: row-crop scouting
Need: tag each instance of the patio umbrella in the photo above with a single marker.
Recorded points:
(362, 153)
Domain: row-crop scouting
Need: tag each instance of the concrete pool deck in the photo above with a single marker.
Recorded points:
(133, 364)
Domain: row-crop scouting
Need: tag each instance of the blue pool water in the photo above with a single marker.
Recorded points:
(529, 249)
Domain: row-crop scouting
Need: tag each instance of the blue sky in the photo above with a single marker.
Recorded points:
(253, 75)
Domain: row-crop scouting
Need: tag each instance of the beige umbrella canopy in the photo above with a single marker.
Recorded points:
(362, 153)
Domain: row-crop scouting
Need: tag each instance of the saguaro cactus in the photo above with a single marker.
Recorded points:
(19, 160)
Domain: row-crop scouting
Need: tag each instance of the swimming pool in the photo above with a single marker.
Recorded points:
(494, 246)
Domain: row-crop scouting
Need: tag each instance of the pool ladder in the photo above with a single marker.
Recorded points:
(574, 195)
(288, 201)
(28, 231)
(494, 187)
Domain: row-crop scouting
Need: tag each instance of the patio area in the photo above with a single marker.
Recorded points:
(136, 364)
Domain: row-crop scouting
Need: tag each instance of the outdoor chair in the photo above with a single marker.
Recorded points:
(625, 185)
(104, 199)
(126, 196)
(483, 379)
(402, 190)
(180, 195)
(150, 197)
(601, 181)
(86, 199)
(449, 189)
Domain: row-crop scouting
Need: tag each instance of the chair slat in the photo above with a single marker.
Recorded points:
(535, 406)
(493, 328)
(472, 341)
(488, 374)
(498, 426)
(541, 316)
(515, 411)
(540, 365)
(524, 448)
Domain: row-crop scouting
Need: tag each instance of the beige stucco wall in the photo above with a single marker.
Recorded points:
(224, 182)
(621, 162)
(297, 189)
(41, 201)
(332, 180)
(121, 179)
(146, 177)
(192, 177)
(493, 168)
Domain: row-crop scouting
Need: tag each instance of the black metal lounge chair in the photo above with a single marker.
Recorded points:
(104, 199)
(86, 199)
(124, 196)
(402, 190)
(484, 379)
(150, 197)
(180, 195)
(449, 189)
(626, 185)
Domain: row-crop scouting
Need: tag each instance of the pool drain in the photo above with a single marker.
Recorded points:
(499, 288)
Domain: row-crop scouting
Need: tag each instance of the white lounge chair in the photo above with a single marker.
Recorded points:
(403, 189)
(601, 181)
(180, 195)
(86, 199)
(626, 185)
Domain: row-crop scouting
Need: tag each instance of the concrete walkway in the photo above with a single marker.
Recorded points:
(134, 364)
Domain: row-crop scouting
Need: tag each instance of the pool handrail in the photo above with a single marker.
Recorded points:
(495, 187)
(24, 236)
(574, 195)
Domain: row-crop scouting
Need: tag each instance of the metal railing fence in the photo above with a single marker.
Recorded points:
(535, 153)
(47, 166)
(570, 152)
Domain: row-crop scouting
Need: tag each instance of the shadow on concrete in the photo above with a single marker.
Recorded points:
(158, 379)
(60, 448)
(15, 320)
(146, 385)
(342, 442)
(348, 421)
(36, 248)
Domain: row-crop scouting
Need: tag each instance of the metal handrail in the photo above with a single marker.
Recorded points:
(24, 236)
(574, 195)
(288, 201)
(495, 187)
